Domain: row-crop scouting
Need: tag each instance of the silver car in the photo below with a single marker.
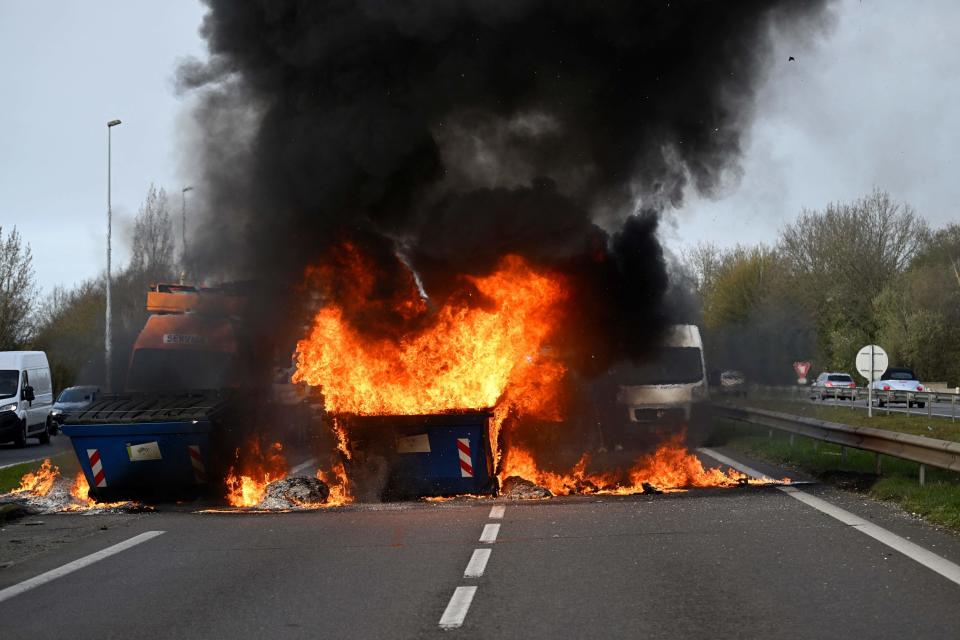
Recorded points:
(898, 379)
(833, 385)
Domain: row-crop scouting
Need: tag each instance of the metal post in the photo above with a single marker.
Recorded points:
(107, 337)
(816, 446)
(923, 474)
(843, 455)
(877, 467)
(953, 409)
(183, 228)
(870, 387)
(791, 441)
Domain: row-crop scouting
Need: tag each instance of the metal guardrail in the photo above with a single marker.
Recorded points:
(881, 399)
(925, 451)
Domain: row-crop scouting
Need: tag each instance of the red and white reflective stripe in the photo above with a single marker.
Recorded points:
(96, 466)
(199, 471)
(466, 462)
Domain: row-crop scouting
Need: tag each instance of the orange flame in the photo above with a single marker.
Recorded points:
(39, 483)
(81, 490)
(336, 480)
(670, 467)
(466, 359)
(247, 487)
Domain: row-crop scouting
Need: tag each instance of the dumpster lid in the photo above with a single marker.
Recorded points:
(152, 407)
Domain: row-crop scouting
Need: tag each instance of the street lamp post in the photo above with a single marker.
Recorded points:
(183, 222)
(107, 338)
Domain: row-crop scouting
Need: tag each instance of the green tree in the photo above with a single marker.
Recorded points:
(840, 259)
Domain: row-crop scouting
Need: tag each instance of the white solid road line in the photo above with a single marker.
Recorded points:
(70, 567)
(932, 561)
(303, 465)
(496, 513)
(13, 464)
(490, 532)
(457, 608)
(477, 564)
(730, 462)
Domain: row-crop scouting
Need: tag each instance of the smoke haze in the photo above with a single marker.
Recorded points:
(447, 134)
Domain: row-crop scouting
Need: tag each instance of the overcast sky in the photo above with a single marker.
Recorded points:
(874, 102)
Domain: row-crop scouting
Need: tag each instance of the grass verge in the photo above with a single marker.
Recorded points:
(10, 477)
(938, 501)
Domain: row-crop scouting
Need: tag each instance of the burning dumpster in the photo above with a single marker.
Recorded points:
(422, 455)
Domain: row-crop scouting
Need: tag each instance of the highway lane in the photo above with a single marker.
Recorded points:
(10, 454)
(750, 562)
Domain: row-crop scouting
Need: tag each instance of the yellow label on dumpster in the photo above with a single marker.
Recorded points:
(144, 451)
(419, 443)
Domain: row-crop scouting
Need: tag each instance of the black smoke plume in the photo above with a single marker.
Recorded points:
(454, 132)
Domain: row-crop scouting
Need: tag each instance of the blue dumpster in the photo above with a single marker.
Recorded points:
(148, 459)
(427, 455)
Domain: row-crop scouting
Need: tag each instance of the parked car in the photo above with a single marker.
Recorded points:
(71, 399)
(733, 383)
(898, 379)
(26, 396)
(833, 385)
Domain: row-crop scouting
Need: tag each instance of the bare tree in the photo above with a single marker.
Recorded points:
(152, 255)
(18, 290)
(868, 241)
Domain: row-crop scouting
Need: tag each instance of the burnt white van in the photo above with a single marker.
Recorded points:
(667, 393)
(26, 396)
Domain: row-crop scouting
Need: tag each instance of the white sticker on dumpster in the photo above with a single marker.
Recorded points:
(144, 451)
(419, 443)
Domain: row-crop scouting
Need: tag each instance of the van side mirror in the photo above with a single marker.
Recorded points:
(27, 394)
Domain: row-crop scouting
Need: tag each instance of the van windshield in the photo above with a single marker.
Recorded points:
(179, 370)
(8, 383)
(673, 365)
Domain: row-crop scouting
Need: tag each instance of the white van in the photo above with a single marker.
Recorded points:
(26, 396)
(671, 389)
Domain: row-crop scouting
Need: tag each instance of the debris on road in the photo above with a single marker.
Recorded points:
(517, 488)
(295, 492)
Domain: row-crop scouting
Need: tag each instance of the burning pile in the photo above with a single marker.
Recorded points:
(47, 491)
(262, 482)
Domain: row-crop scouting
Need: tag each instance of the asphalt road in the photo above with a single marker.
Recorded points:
(10, 454)
(744, 563)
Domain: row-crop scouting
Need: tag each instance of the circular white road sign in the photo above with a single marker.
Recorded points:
(879, 359)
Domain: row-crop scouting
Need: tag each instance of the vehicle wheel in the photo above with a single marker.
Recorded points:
(881, 403)
(921, 405)
(21, 439)
(44, 436)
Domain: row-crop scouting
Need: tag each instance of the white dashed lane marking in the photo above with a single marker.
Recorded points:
(490, 532)
(457, 608)
(478, 563)
(496, 513)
